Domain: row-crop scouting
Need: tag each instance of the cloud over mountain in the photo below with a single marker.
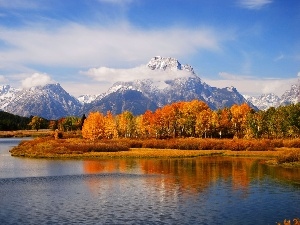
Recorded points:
(36, 79)
(80, 46)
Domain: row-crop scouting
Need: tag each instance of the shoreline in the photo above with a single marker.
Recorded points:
(151, 153)
(77, 148)
(268, 158)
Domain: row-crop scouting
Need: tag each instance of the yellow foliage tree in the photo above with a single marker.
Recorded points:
(125, 124)
(36, 123)
(110, 126)
(239, 118)
(94, 126)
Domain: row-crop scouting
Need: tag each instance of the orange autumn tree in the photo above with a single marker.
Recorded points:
(147, 124)
(94, 126)
(203, 122)
(239, 118)
(110, 126)
(224, 122)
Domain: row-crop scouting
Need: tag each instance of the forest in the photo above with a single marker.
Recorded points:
(176, 120)
(10, 122)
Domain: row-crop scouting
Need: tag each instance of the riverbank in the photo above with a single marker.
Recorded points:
(26, 133)
(77, 148)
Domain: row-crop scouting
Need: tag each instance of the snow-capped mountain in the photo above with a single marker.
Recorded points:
(166, 81)
(83, 99)
(50, 101)
(170, 82)
(266, 101)
(291, 96)
(7, 93)
(168, 63)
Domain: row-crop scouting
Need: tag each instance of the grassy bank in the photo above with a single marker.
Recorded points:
(26, 133)
(48, 147)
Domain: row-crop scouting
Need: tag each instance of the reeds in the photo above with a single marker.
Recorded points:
(206, 144)
(289, 156)
(48, 146)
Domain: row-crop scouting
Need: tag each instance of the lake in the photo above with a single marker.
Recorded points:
(203, 190)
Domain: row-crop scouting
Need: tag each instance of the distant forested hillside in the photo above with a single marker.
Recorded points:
(12, 122)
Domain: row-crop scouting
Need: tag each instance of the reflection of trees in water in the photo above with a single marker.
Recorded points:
(194, 174)
(198, 174)
(282, 174)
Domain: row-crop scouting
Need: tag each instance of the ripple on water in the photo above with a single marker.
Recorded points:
(123, 198)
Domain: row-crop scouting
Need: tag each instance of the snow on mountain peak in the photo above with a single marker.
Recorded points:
(168, 63)
(83, 99)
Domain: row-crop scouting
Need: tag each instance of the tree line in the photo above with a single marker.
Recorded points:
(196, 119)
(176, 120)
(10, 122)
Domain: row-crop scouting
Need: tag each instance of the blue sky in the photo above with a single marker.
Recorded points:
(253, 45)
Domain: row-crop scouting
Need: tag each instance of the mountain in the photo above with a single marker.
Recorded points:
(7, 93)
(164, 80)
(123, 100)
(50, 101)
(83, 99)
(291, 96)
(266, 101)
(168, 81)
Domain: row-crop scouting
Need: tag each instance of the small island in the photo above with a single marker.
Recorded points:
(177, 130)
(79, 148)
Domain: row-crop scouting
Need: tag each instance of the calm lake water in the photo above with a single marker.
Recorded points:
(206, 190)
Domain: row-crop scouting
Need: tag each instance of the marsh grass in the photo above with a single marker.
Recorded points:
(188, 147)
(289, 156)
(207, 144)
(45, 147)
(25, 133)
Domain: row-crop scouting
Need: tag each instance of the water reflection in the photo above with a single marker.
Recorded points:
(197, 174)
(205, 190)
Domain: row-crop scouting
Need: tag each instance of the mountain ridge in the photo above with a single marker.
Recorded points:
(50, 101)
(265, 101)
(167, 81)
(179, 83)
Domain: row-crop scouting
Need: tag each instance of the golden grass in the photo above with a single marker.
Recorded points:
(48, 147)
(26, 133)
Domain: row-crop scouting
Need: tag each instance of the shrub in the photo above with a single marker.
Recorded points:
(289, 156)
(293, 143)
(135, 143)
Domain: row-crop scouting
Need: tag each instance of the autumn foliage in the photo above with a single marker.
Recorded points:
(196, 119)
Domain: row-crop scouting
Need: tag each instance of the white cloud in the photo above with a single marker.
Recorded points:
(3, 79)
(111, 75)
(254, 4)
(252, 85)
(298, 74)
(36, 79)
(229, 76)
(80, 46)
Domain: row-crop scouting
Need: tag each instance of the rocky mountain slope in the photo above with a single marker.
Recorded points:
(170, 82)
(7, 93)
(266, 101)
(167, 81)
(50, 101)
